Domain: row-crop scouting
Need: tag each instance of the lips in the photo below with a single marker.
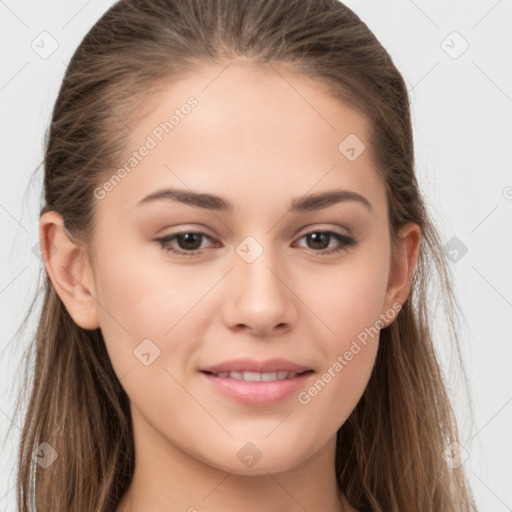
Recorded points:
(257, 393)
(257, 376)
(241, 366)
(257, 383)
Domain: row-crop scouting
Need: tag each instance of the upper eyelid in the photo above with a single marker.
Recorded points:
(301, 232)
(332, 232)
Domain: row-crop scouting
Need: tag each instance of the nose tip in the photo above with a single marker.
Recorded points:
(258, 299)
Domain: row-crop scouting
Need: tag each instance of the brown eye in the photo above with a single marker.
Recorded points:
(188, 242)
(318, 241)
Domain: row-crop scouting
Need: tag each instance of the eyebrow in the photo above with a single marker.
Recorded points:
(308, 203)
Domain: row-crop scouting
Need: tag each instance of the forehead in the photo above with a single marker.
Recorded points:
(238, 129)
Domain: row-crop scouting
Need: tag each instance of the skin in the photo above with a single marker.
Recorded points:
(258, 143)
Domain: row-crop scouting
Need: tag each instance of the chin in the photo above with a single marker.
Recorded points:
(250, 460)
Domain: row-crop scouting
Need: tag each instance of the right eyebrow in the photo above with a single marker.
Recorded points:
(199, 200)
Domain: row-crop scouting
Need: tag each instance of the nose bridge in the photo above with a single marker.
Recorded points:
(257, 264)
(258, 296)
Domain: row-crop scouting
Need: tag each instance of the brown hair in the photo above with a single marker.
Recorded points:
(390, 451)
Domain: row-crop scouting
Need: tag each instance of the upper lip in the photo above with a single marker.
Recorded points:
(252, 365)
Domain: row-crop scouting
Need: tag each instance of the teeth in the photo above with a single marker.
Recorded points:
(258, 377)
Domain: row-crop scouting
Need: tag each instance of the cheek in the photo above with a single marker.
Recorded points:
(140, 292)
(350, 304)
(350, 296)
(131, 309)
(141, 302)
(351, 309)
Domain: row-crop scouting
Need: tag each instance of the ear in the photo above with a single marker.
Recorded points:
(69, 270)
(403, 262)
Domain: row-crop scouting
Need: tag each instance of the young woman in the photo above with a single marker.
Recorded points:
(238, 273)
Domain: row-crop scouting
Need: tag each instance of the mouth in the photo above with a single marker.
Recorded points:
(249, 376)
(257, 388)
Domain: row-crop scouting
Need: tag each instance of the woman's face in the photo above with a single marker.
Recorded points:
(265, 278)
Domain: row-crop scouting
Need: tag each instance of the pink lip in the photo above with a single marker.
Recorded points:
(257, 393)
(252, 365)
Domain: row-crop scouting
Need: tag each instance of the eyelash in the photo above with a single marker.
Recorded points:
(346, 242)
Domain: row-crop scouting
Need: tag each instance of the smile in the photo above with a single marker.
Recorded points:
(257, 376)
(255, 388)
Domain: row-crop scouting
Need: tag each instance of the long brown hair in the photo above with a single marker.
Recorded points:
(391, 451)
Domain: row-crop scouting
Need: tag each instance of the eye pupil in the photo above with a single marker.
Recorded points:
(317, 239)
(189, 239)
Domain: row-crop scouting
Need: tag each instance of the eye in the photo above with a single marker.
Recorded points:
(321, 239)
(189, 242)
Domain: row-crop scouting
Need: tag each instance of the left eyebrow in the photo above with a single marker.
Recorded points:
(325, 199)
(211, 202)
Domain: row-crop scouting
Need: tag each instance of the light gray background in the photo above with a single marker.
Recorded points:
(462, 113)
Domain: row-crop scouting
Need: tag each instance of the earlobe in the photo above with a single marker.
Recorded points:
(404, 259)
(69, 270)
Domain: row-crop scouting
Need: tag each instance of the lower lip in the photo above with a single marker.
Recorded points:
(258, 393)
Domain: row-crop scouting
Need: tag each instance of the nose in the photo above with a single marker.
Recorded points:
(259, 297)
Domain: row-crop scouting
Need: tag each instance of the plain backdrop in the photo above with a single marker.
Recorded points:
(456, 58)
